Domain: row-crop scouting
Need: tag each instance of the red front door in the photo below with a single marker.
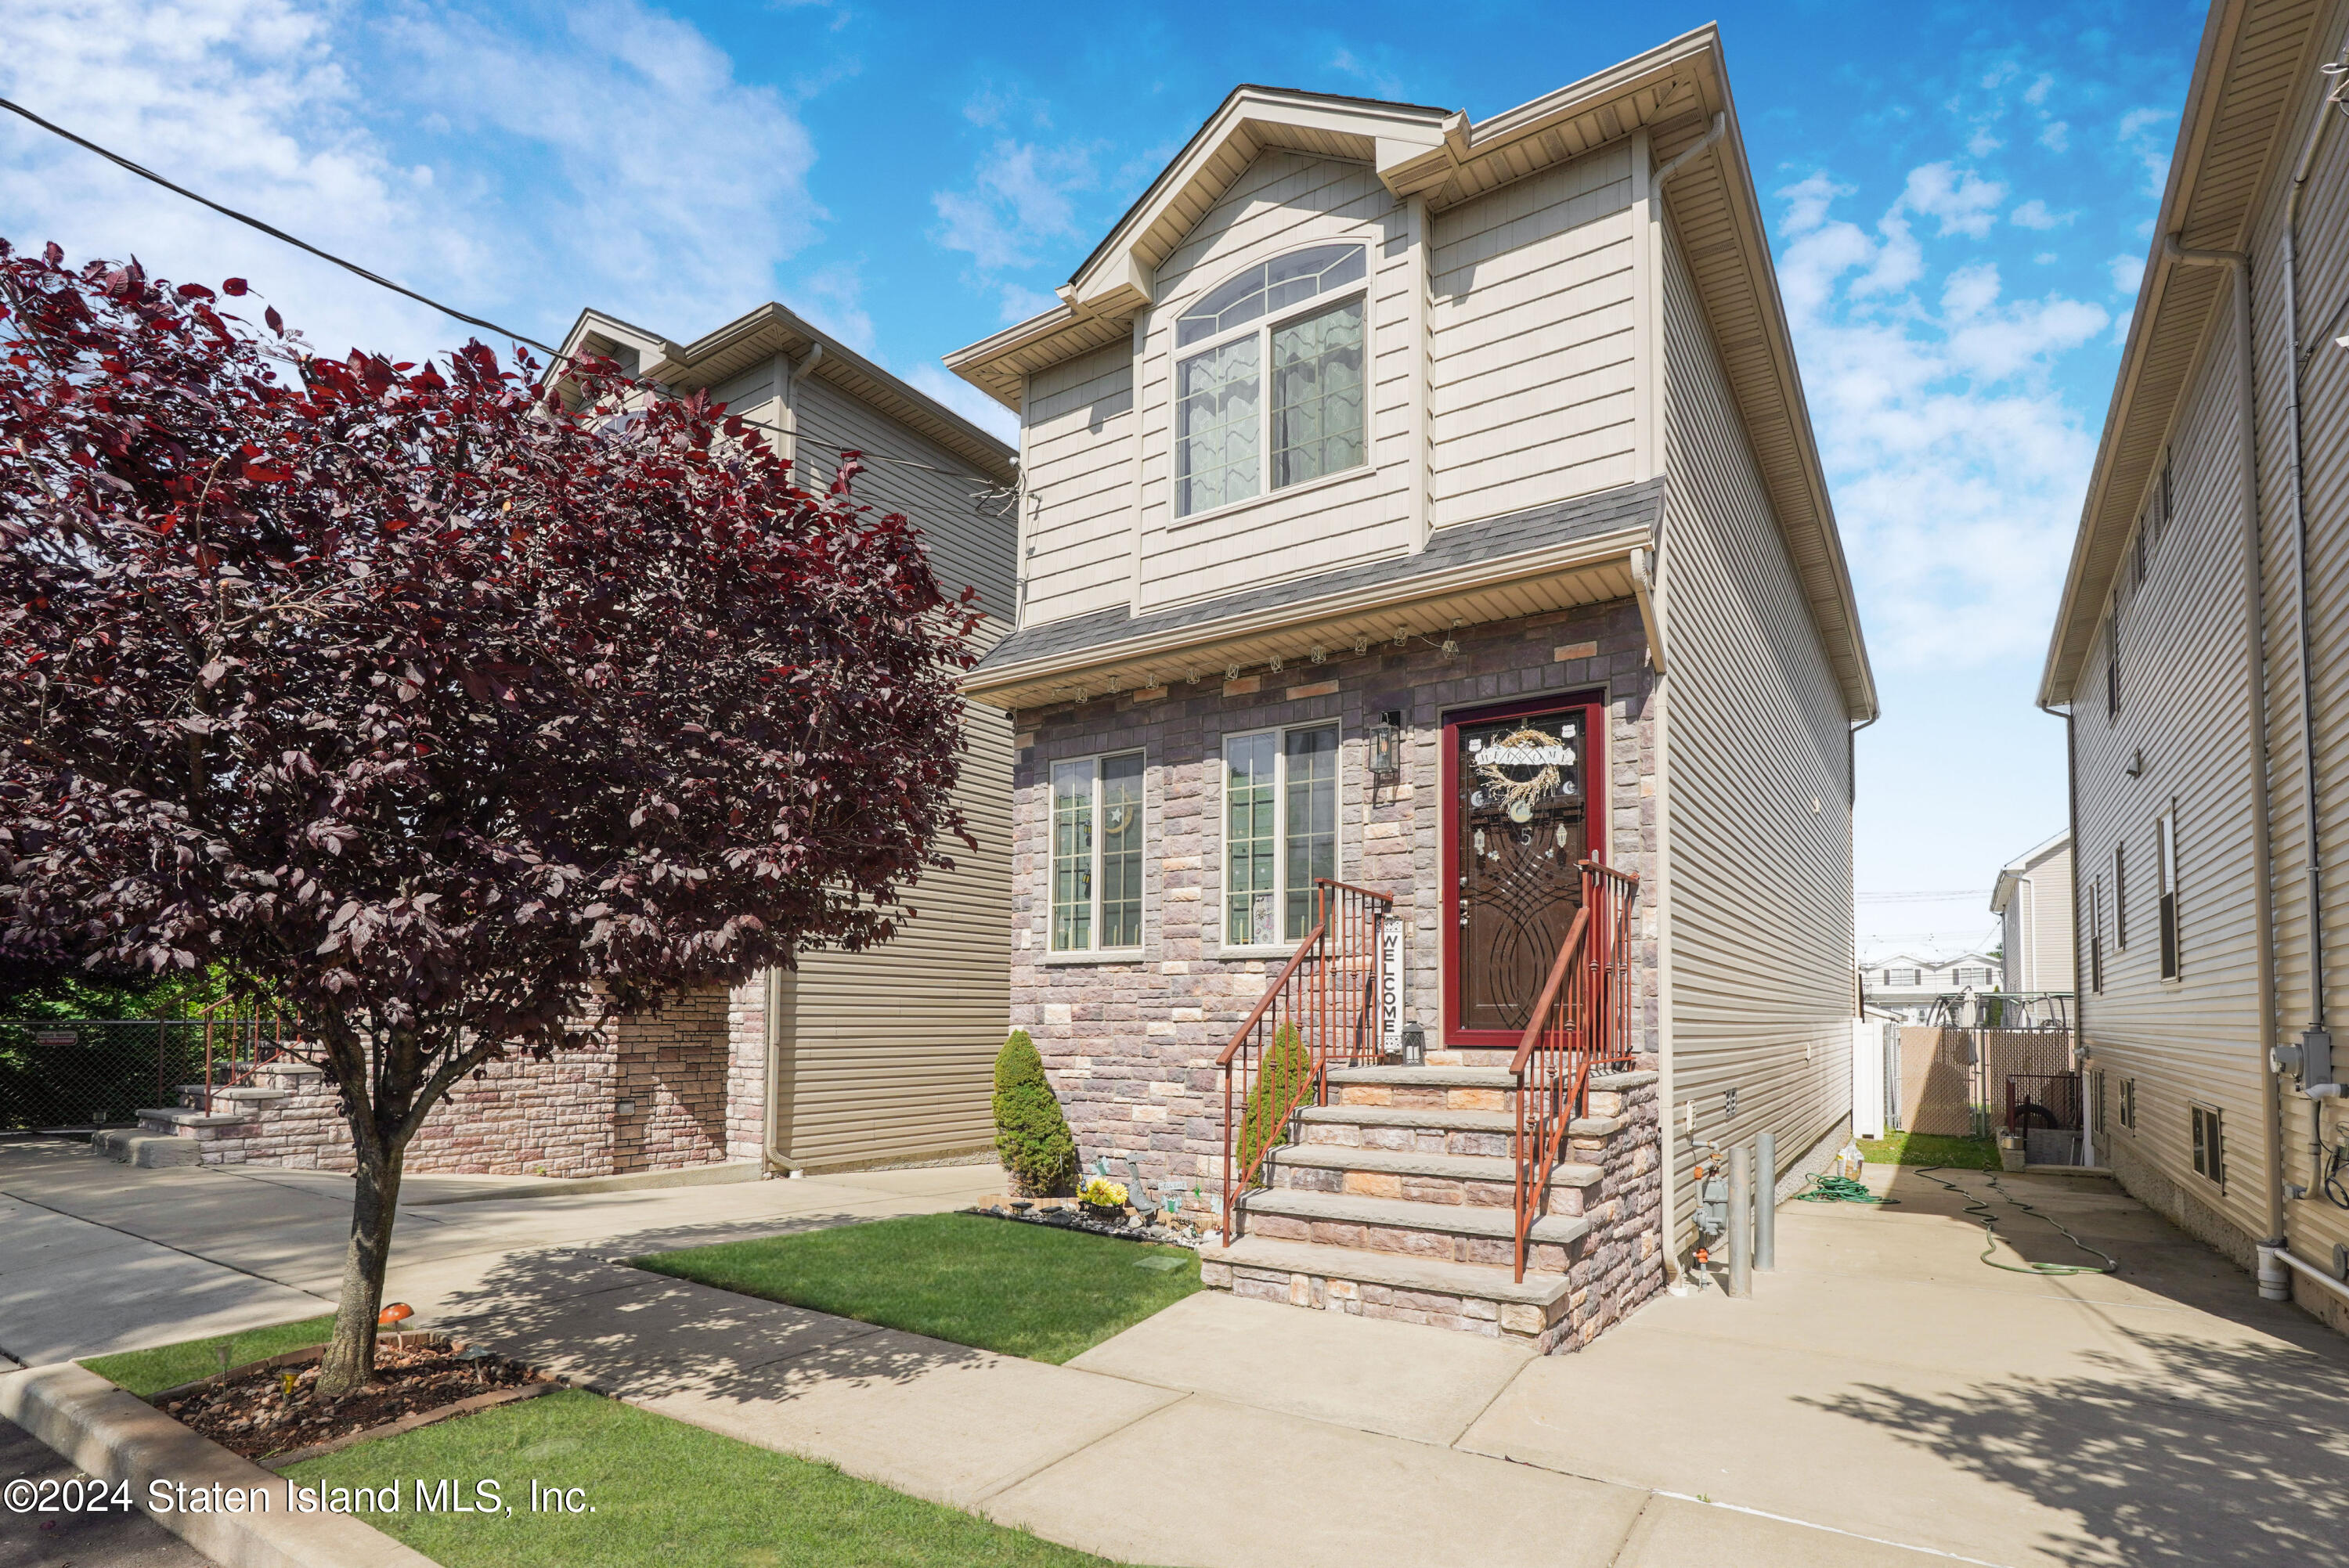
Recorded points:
(1522, 807)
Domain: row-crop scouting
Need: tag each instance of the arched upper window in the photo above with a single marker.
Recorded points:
(1273, 286)
(1227, 432)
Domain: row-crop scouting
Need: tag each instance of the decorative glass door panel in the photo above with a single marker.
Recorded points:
(1519, 812)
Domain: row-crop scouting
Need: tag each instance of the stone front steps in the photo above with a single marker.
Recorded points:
(287, 1116)
(1398, 1201)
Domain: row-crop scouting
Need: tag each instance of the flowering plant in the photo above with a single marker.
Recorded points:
(1104, 1193)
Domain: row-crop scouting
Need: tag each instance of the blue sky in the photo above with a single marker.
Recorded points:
(1961, 197)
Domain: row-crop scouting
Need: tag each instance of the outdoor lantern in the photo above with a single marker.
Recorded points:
(1386, 745)
(1414, 1045)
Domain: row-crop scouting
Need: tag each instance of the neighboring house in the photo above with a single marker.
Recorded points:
(854, 1058)
(1908, 985)
(2195, 656)
(2034, 903)
(1430, 504)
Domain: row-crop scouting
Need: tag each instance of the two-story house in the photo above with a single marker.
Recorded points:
(1913, 986)
(2197, 659)
(2032, 901)
(1422, 537)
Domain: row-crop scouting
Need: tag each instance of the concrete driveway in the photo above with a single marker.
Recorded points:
(1884, 1385)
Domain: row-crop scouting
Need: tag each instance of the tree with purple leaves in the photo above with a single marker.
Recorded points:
(453, 707)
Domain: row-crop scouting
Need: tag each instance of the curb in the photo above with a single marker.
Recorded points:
(119, 1438)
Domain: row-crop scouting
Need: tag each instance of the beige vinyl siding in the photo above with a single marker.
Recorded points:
(1532, 342)
(889, 1053)
(1760, 949)
(1079, 552)
(1286, 202)
(2039, 927)
(2313, 1225)
(2184, 695)
(969, 542)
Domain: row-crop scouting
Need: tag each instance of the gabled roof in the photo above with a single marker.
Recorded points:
(1673, 90)
(2230, 139)
(771, 330)
(2010, 874)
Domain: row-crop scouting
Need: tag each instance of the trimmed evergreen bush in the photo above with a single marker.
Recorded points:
(1031, 1134)
(1281, 1081)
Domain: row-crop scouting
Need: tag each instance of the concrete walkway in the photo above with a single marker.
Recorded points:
(1883, 1399)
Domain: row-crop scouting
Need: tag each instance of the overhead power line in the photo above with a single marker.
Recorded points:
(251, 222)
(988, 491)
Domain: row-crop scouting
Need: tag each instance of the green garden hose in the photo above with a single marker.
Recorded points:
(1990, 1232)
(1840, 1189)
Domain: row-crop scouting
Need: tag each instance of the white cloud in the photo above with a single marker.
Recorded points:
(1019, 195)
(1021, 301)
(2127, 272)
(1382, 82)
(1963, 200)
(2036, 93)
(2055, 136)
(1956, 466)
(2141, 135)
(832, 297)
(2033, 214)
(557, 159)
(1983, 142)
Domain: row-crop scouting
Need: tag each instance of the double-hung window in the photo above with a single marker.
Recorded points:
(1097, 854)
(1235, 435)
(2166, 849)
(1280, 832)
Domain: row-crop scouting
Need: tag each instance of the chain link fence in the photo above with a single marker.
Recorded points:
(100, 1072)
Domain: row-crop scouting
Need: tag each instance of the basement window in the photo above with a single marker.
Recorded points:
(2210, 1144)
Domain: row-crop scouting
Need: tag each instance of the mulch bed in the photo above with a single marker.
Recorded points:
(256, 1412)
(1061, 1214)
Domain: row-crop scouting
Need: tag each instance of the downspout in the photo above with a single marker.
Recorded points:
(782, 1030)
(2314, 1059)
(2311, 1057)
(2256, 710)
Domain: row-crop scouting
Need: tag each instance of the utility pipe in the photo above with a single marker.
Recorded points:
(2275, 1282)
(1765, 1203)
(1741, 1222)
(2311, 837)
(2256, 709)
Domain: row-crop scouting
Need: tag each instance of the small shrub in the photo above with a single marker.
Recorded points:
(1281, 1081)
(1032, 1135)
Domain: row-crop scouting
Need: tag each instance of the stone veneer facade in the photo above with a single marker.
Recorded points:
(1130, 1044)
(691, 1078)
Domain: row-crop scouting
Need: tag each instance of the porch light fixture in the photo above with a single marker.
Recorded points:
(1386, 745)
(1414, 1044)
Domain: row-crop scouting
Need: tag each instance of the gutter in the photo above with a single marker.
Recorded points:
(2255, 716)
(1378, 596)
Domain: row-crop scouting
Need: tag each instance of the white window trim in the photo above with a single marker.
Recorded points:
(1094, 955)
(1264, 326)
(1279, 830)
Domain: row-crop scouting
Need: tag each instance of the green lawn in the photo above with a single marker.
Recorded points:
(1927, 1149)
(1025, 1290)
(662, 1492)
(145, 1372)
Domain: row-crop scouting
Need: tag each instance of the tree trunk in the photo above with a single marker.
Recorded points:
(349, 1361)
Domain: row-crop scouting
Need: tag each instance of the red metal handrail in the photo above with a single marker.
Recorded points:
(1325, 993)
(1583, 1022)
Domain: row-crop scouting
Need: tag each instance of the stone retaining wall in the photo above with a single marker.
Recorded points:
(653, 1091)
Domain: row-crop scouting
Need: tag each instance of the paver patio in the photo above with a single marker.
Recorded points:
(1883, 1397)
